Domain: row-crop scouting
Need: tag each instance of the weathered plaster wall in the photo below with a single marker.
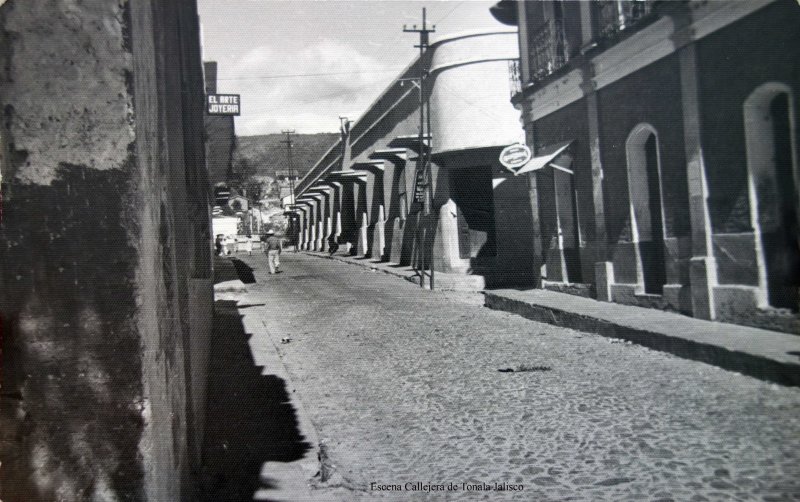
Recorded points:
(99, 197)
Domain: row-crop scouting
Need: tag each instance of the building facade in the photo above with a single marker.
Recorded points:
(105, 253)
(365, 191)
(678, 185)
(220, 135)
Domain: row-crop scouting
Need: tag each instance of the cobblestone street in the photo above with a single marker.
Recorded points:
(405, 389)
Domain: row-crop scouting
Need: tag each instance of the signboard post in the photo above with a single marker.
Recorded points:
(223, 104)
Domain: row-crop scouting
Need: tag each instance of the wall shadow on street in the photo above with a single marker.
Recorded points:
(243, 271)
(249, 419)
(231, 269)
(224, 270)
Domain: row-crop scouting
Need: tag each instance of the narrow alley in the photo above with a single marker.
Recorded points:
(408, 395)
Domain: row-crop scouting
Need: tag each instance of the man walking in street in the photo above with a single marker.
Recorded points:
(273, 247)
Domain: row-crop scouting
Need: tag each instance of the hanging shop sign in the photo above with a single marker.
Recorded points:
(522, 163)
(223, 104)
(515, 156)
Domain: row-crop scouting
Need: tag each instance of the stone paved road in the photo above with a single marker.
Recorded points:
(402, 385)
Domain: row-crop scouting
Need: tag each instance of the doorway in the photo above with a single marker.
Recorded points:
(471, 190)
(772, 169)
(646, 207)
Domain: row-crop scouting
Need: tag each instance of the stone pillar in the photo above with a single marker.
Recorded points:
(361, 249)
(308, 227)
(328, 233)
(312, 233)
(702, 266)
(319, 245)
(378, 236)
(450, 257)
(301, 222)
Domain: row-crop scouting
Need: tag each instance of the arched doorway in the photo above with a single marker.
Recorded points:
(646, 208)
(772, 174)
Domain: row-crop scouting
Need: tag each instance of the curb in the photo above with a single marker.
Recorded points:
(235, 286)
(764, 368)
(414, 279)
(444, 281)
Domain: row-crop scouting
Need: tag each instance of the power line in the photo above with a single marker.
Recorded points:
(316, 99)
(265, 77)
(449, 12)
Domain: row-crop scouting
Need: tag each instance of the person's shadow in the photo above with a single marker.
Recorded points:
(250, 419)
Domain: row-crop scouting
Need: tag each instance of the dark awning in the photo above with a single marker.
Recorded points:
(546, 156)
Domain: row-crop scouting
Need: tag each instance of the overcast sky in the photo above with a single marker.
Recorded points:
(300, 64)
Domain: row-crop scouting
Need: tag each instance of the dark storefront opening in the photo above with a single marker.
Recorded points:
(471, 190)
(781, 252)
(349, 231)
(566, 203)
(652, 251)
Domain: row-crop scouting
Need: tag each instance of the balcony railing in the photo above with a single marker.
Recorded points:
(615, 16)
(548, 50)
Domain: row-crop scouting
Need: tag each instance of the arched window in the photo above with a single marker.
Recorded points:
(646, 208)
(770, 132)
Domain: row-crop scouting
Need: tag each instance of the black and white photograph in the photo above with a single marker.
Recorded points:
(399, 250)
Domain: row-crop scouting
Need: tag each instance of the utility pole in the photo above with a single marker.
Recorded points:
(288, 142)
(422, 179)
(423, 159)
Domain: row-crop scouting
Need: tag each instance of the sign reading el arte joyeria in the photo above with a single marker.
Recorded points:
(223, 104)
(515, 156)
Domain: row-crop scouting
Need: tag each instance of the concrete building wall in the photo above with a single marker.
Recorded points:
(735, 212)
(220, 134)
(470, 94)
(700, 231)
(651, 97)
(105, 328)
(471, 121)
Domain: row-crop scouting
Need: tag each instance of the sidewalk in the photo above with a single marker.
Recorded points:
(768, 355)
(259, 442)
(442, 281)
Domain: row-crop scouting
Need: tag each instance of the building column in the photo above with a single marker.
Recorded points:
(319, 244)
(533, 193)
(328, 232)
(378, 236)
(702, 265)
(301, 227)
(447, 238)
(309, 244)
(312, 228)
(603, 266)
(361, 249)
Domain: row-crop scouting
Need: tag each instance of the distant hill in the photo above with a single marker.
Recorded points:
(266, 154)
